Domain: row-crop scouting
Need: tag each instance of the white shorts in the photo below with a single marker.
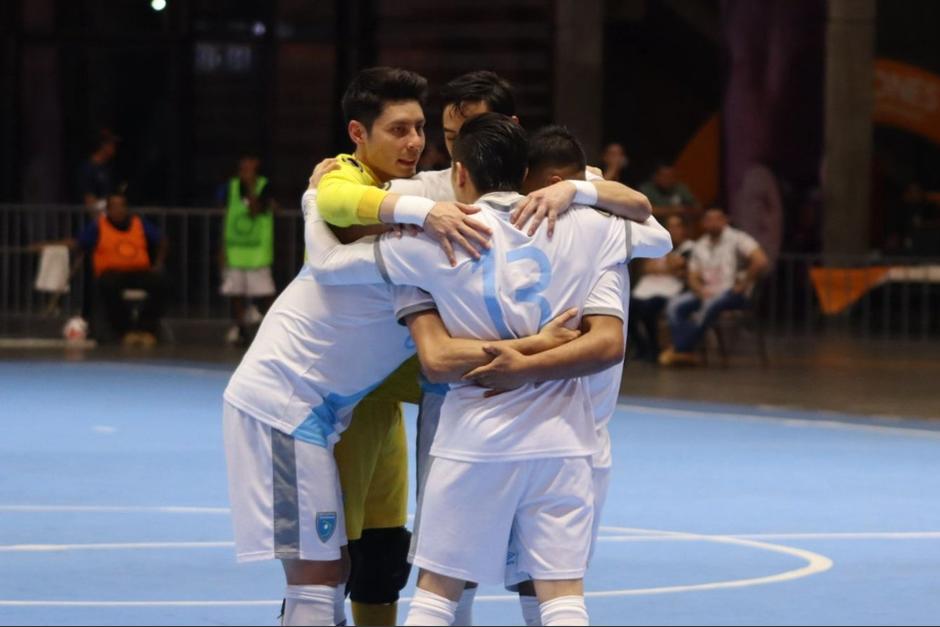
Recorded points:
(251, 283)
(601, 477)
(285, 494)
(469, 511)
(429, 416)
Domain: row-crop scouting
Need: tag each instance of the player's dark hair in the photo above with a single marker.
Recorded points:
(480, 86)
(495, 151)
(372, 89)
(555, 146)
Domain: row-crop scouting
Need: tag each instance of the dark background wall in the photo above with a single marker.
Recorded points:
(662, 78)
(192, 88)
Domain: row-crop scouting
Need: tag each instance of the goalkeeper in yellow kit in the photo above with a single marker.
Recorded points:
(383, 108)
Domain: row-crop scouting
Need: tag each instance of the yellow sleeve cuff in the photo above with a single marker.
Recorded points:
(369, 205)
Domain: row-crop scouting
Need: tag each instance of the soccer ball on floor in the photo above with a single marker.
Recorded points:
(75, 329)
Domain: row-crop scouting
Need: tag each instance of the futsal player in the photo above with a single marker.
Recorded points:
(556, 155)
(292, 396)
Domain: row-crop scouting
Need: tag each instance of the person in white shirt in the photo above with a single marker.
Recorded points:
(556, 155)
(660, 280)
(521, 459)
(724, 267)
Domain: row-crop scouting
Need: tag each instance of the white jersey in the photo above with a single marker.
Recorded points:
(435, 184)
(518, 286)
(319, 351)
(610, 297)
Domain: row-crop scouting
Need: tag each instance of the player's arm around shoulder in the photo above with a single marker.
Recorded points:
(550, 202)
(332, 262)
(649, 240)
(348, 196)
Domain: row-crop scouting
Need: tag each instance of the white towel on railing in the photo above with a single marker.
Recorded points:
(53, 274)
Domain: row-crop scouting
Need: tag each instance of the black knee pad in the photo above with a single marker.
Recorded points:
(380, 565)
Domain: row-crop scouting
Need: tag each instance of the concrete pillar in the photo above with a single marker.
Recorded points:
(579, 73)
(43, 179)
(850, 47)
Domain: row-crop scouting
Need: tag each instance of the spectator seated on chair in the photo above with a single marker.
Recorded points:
(724, 267)
(660, 280)
(120, 244)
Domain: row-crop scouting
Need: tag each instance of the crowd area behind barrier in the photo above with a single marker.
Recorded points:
(802, 295)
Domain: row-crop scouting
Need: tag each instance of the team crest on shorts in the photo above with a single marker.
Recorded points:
(326, 525)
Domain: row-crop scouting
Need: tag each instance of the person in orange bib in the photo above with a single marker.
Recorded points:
(120, 245)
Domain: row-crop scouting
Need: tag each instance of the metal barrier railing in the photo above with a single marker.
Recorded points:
(869, 297)
(804, 295)
(192, 265)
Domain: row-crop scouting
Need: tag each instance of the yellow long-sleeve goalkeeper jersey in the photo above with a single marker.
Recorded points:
(350, 195)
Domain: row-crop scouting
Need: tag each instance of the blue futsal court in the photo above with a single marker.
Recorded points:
(113, 510)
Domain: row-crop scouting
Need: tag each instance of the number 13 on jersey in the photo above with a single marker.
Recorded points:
(539, 280)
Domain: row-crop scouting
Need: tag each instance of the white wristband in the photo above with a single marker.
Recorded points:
(412, 210)
(585, 193)
(308, 204)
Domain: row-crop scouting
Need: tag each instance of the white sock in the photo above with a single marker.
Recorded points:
(309, 605)
(339, 606)
(431, 610)
(464, 614)
(531, 613)
(564, 611)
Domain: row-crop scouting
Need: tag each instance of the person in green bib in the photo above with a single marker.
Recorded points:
(248, 246)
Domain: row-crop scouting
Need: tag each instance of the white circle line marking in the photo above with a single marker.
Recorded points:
(816, 564)
(635, 537)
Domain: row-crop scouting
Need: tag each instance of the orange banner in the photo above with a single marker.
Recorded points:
(840, 288)
(698, 163)
(907, 97)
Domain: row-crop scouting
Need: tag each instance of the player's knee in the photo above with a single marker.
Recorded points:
(309, 573)
(380, 565)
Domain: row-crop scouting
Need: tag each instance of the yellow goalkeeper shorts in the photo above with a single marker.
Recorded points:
(372, 455)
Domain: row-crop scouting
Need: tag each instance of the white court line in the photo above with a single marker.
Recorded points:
(863, 535)
(876, 535)
(110, 509)
(633, 537)
(126, 546)
(786, 420)
(815, 564)
(140, 603)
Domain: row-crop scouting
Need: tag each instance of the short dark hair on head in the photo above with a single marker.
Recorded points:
(480, 86)
(494, 149)
(556, 146)
(373, 88)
